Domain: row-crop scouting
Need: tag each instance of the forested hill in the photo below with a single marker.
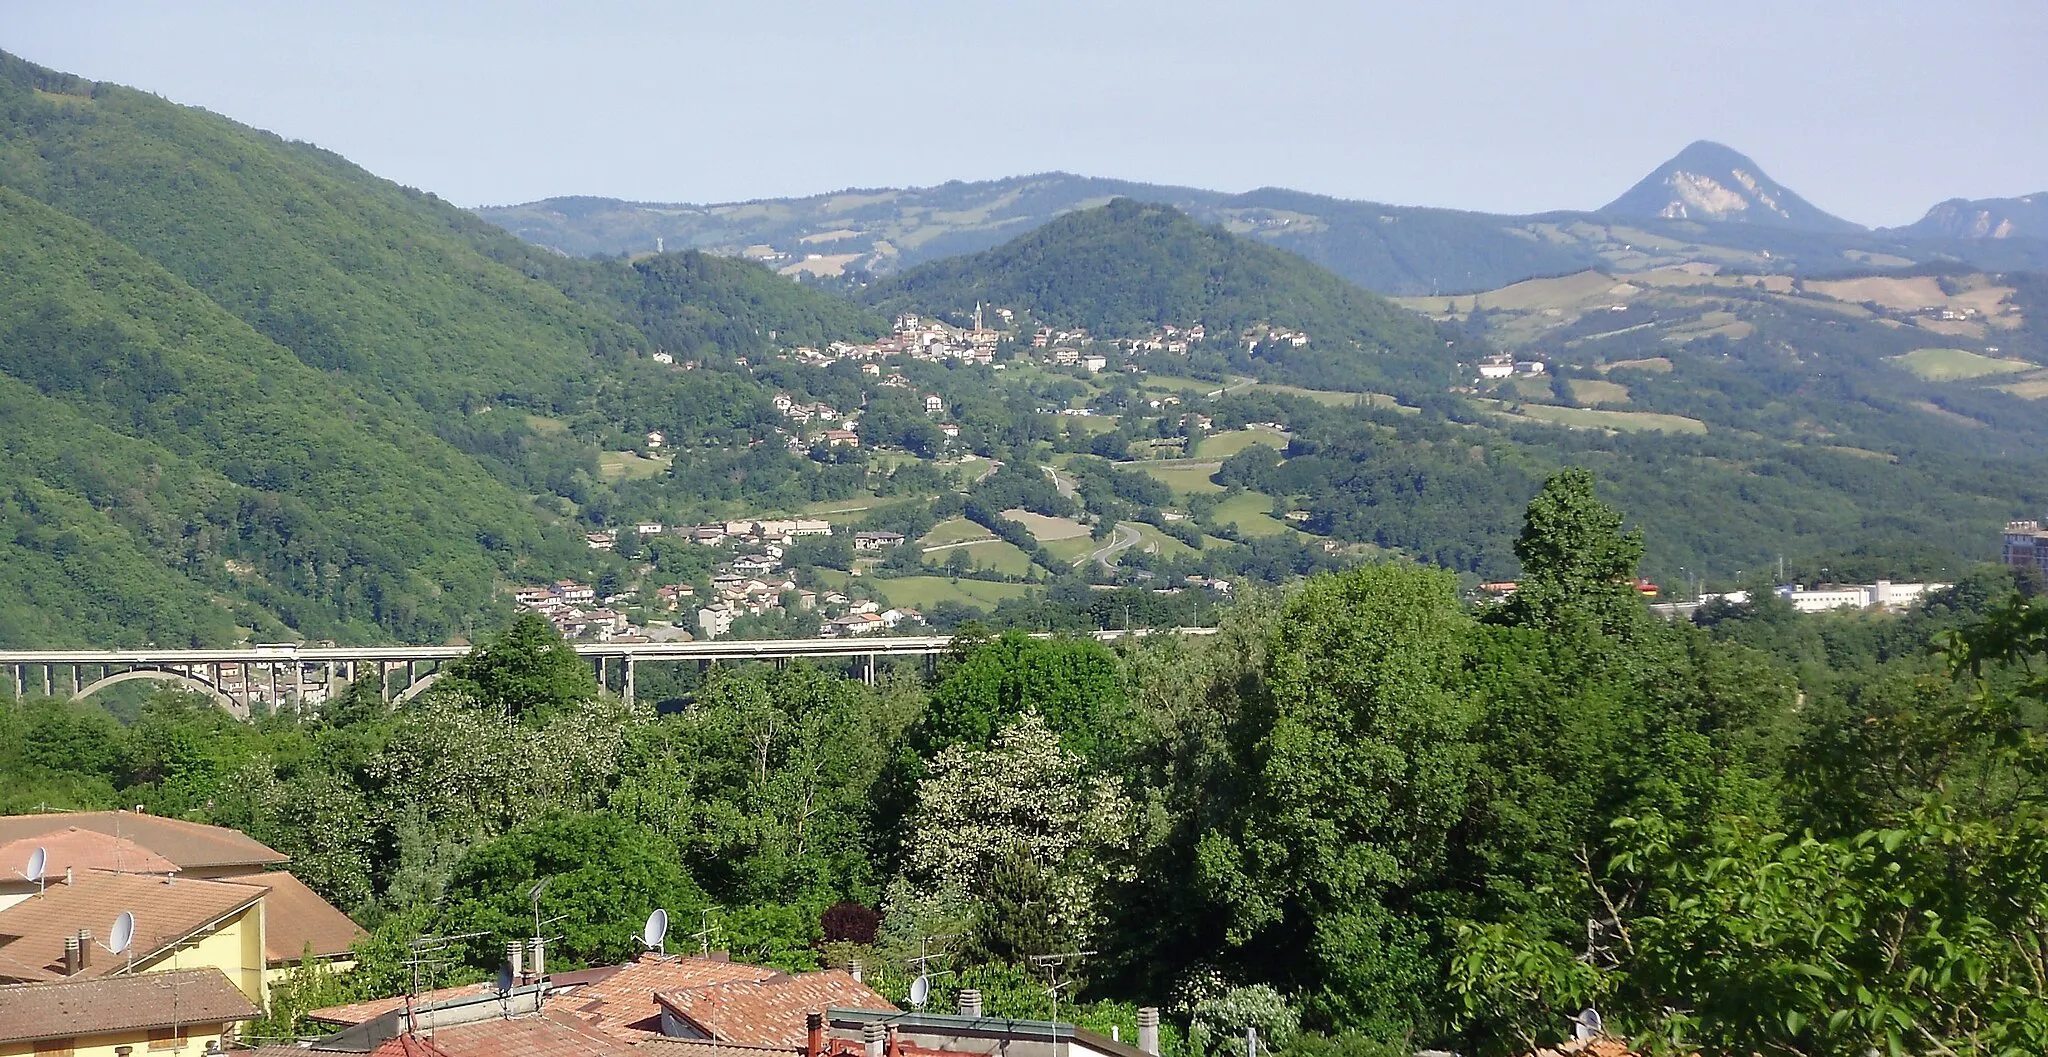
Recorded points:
(253, 390)
(1126, 268)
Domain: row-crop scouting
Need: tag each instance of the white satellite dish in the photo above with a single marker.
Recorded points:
(38, 861)
(1588, 1025)
(123, 932)
(920, 991)
(656, 929)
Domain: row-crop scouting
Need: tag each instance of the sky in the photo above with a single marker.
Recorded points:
(1872, 110)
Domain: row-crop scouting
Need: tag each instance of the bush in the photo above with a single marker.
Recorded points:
(850, 922)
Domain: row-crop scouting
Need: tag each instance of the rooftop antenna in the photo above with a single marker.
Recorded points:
(704, 934)
(1052, 964)
(38, 861)
(921, 988)
(655, 931)
(417, 958)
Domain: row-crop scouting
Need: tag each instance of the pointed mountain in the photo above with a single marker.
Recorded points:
(1715, 184)
(1984, 218)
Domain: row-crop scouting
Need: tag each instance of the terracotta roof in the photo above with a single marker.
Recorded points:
(32, 931)
(192, 845)
(625, 1000)
(72, 848)
(1599, 1046)
(77, 1007)
(770, 1012)
(295, 917)
(660, 1047)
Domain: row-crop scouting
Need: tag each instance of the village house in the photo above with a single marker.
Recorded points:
(876, 541)
(600, 541)
(933, 405)
(841, 438)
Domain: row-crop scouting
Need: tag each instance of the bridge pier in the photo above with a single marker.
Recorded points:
(627, 663)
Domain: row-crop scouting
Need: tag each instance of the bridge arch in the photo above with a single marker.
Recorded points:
(415, 689)
(161, 675)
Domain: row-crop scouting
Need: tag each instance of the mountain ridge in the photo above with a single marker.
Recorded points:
(1393, 250)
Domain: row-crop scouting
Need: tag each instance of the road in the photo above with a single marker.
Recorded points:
(1123, 538)
(1064, 484)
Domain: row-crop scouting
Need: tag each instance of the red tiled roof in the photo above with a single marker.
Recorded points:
(551, 1034)
(295, 917)
(77, 1007)
(192, 845)
(79, 850)
(770, 1012)
(625, 1000)
(1599, 1046)
(32, 932)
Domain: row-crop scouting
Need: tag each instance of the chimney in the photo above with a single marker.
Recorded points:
(84, 948)
(894, 1047)
(854, 968)
(71, 965)
(872, 1036)
(1148, 1029)
(814, 1035)
(515, 960)
(970, 1002)
(540, 958)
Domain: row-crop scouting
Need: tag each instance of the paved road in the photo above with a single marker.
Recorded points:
(1123, 538)
(1064, 484)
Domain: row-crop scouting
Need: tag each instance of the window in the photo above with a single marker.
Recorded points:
(54, 1048)
(166, 1038)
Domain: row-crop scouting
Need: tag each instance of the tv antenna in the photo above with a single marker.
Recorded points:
(38, 862)
(703, 935)
(655, 931)
(921, 988)
(1053, 965)
(417, 958)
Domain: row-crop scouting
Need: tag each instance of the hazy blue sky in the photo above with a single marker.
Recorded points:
(1872, 110)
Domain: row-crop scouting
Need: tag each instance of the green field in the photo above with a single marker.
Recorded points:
(1624, 421)
(1335, 397)
(840, 511)
(628, 466)
(1592, 391)
(953, 530)
(1001, 556)
(1230, 442)
(1253, 513)
(1954, 365)
(1185, 478)
(1159, 542)
(922, 592)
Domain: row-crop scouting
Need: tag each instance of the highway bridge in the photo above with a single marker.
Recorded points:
(241, 677)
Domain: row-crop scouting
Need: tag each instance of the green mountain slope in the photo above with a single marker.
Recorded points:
(1125, 268)
(255, 390)
(338, 512)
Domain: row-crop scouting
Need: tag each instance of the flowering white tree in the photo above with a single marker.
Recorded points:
(1023, 795)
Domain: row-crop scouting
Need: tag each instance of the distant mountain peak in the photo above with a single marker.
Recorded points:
(1713, 183)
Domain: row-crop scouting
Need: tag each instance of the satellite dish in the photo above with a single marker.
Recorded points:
(123, 932)
(920, 991)
(505, 980)
(655, 930)
(38, 860)
(1587, 1025)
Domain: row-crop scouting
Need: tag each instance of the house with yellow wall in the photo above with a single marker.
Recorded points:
(65, 934)
(155, 1014)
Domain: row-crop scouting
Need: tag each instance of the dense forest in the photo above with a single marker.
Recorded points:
(1363, 817)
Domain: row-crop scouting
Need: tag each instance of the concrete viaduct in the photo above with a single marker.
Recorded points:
(238, 678)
